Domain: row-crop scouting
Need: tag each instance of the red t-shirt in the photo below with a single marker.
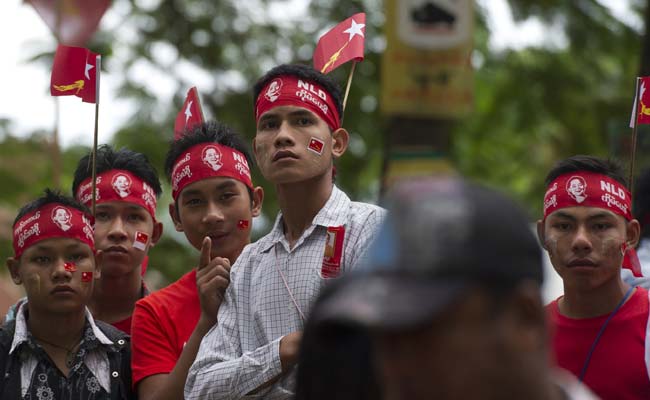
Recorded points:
(162, 324)
(619, 364)
(124, 325)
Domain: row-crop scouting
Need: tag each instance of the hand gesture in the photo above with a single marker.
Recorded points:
(212, 279)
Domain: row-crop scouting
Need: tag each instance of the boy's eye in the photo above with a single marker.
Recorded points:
(304, 121)
(266, 125)
(42, 260)
(102, 216)
(77, 257)
(135, 217)
(192, 202)
(227, 196)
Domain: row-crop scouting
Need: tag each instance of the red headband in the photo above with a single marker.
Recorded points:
(51, 221)
(587, 189)
(288, 90)
(118, 185)
(207, 160)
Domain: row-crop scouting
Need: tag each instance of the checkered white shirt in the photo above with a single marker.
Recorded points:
(241, 352)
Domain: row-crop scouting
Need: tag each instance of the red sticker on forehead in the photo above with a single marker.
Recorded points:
(86, 276)
(242, 224)
(70, 267)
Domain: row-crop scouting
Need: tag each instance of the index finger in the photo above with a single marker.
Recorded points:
(206, 248)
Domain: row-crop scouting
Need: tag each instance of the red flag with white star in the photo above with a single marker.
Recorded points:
(190, 115)
(74, 73)
(642, 115)
(77, 19)
(341, 44)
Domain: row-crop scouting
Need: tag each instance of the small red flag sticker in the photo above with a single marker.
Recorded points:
(70, 267)
(243, 224)
(316, 145)
(333, 252)
(140, 240)
(86, 276)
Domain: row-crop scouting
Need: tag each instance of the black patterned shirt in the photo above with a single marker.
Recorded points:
(89, 376)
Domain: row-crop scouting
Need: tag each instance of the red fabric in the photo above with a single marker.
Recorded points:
(162, 324)
(631, 262)
(118, 185)
(190, 115)
(288, 90)
(618, 368)
(78, 18)
(643, 109)
(124, 325)
(341, 44)
(74, 73)
(50, 221)
(207, 160)
(587, 189)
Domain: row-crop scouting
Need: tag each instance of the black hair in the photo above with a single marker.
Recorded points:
(607, 167)
(108, 158)
(50, 196)
(642, 202)
(302, 72)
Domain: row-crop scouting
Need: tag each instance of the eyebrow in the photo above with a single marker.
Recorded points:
(302, 112)
(601, 214)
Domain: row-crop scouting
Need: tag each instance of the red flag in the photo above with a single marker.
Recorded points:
(190, 115)
(78, 19)
(74, 73)
(643, 109)
(341, 44)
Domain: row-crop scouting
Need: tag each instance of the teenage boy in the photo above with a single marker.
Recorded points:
(318, 235)
(127, 190)
(214, 205)
(54, 349)
(601, 323)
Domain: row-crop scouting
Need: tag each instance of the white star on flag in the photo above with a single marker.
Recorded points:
(354, 29)
(188, 113)
(88, 68)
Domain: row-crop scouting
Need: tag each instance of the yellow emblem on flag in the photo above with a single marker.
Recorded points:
(76, 85)
(333, 58)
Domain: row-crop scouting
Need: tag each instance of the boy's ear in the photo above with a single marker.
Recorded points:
(258, 199)
(340, 140)
(13, 265)
(633, 233)
(157, 233)
(99, 256)
(540, 234)
(177, 221)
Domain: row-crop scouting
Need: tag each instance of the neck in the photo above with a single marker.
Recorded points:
(114, 297)
(300, 202)
(592, 302)
(60, 329)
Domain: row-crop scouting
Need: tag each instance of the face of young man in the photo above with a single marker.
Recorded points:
(57, 274)
(586, 244)
(218, 207)
(116, 224)
(292, 144)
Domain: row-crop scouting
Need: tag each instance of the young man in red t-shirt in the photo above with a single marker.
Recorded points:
(127, 189)
(600, 325)
(214, 204)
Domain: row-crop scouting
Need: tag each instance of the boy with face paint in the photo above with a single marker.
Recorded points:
(54, 349)
(127, 190)
(318, 235)
(600, 326)
(214, 204)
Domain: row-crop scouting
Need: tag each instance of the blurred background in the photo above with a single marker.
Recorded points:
(496, 90)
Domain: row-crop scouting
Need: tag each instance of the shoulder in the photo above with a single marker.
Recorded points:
(7, 334)
(176, 291)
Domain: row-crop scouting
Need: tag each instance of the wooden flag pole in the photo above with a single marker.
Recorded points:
(347, 88)
(98, 66)
(637, 101)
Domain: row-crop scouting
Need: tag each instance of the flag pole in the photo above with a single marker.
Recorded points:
(637, 102)
(98, 66)
(347, 87)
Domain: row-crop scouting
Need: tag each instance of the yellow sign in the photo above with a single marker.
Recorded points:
(426, 69)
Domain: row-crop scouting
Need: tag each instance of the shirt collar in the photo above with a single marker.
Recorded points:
(21, 333)
(334, 213)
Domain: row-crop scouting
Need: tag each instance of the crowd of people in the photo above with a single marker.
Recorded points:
(439, 296)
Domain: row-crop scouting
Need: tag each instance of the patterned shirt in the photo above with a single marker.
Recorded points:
(271, 285)
(42, 380)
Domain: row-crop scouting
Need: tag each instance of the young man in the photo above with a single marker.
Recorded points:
(601, 323)
(214, 204)
(54, 349)
(318, 235)
(450, 302)
(127, 188)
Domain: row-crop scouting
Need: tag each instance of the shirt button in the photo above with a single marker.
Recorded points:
(120, 342)
(115, 374)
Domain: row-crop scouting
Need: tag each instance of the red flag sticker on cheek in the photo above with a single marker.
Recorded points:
(242, 224)
(140, 240)
(86, 276)
(70, 267)
(316, 145)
